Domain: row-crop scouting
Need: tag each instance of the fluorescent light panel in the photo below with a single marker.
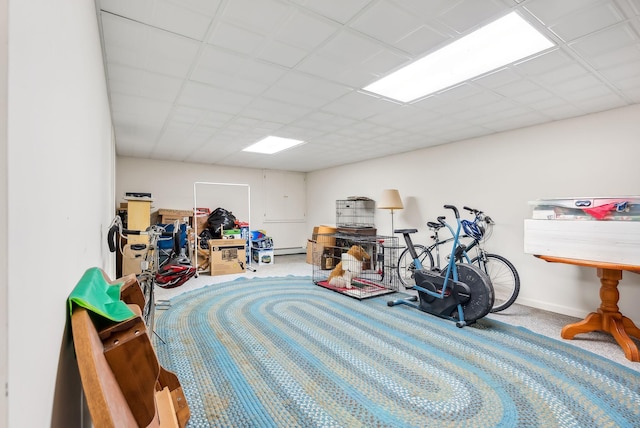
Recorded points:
(271, 145)
(499, 43)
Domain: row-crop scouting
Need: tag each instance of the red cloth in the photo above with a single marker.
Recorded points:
(601, 211)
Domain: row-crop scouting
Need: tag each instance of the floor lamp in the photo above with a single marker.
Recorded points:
(391, 201)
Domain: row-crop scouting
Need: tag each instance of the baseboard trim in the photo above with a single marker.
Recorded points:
(288, 251)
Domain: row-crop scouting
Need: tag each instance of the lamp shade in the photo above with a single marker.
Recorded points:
(391, 200)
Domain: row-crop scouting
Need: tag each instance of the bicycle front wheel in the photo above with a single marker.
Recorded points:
(407, 267)
(504, 278)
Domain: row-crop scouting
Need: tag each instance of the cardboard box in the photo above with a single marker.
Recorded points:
(262, 256)
(232, 234)
(132, 259)
(314, 252)
(227, 256)
(165, 216)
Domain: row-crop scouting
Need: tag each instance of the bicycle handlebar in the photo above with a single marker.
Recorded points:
(455, 210)
(472, 210)
(116, 227)
(479, 214)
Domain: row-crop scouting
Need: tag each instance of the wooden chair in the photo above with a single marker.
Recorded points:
(124, 384)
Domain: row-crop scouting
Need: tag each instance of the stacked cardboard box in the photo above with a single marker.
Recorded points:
(227, 256)
(321, 246)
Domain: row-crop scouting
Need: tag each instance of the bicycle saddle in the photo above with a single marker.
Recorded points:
(434, 225)
(403, 231)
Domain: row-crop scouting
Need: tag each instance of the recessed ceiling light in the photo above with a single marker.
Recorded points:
(271, 145)
(499, 43)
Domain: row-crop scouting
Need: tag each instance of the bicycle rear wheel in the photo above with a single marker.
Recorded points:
(406, 266)
(504, 278)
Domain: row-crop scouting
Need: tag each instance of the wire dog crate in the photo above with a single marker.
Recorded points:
(359, 266)
(357, 212)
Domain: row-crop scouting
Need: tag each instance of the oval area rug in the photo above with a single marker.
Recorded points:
(283, 352)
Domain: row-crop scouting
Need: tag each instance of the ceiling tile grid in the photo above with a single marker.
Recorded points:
(199, 80)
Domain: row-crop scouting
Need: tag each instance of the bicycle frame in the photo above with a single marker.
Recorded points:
(452, 271)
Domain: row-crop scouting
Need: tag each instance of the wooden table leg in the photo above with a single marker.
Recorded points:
(608, 317)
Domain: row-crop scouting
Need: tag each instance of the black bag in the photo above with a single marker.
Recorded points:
(220, 219)
(205, 235)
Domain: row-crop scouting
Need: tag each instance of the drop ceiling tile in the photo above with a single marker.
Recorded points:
(235, 38)
(549, 11)
(604, 102)
(137, 10)
(281, 53)
(143, 83)
(520, 121)
(178, 19)
(583, 87)
(607, 40)
(466, 15)
(310, 85)
(381, 64)
(358, 105)
(561, 75)
(123, 40)
(533, 96)
(630, 83)
(562, 111)
(386, 22)
(186, 115)
(543, 63)
(305, 30)
(179, 135)
(216, 66)
(497, 78)
(405, 116)
(231, 83)
(274, 111)
(147, 48)
(423, 40)
(335, 71)
(616, 57)
(517, 88)
(481, 99)
(294, 97)
(621, 71)
(458, 92)
(151, 111)
(197, 95)
(214, 119)
(496, 106)
(264, 16)
(348, 47)
(167, 53)
(341, 11)
(586, 21)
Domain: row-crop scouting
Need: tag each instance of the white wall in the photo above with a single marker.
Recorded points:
(172, 187)
(60, 169)
(595, 155)
(4, 246)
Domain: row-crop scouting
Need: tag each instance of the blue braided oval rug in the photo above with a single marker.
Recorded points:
(283, 352)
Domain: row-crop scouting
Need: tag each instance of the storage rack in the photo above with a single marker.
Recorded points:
(356, 212)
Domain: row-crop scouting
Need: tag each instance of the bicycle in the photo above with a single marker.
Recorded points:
(503, 274)
(462, 292)
(149, 264)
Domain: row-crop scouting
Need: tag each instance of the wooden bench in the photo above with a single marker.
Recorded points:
(124, 384)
